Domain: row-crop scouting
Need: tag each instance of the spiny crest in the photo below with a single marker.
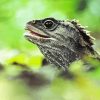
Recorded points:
(87, 39)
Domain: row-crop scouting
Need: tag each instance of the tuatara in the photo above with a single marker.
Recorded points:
(61, 42)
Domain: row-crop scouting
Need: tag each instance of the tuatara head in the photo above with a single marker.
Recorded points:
(62, 42)
(49, 30)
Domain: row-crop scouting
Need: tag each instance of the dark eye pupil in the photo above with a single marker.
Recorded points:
(48, 24)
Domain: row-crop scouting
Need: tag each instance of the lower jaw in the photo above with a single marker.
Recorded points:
(36, 39)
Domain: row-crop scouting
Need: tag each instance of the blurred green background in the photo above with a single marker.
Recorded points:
(14, 14)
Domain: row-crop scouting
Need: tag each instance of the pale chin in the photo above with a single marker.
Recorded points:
(27, 33)
(36, 39)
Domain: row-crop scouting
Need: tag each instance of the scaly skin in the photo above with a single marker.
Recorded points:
(61, 42)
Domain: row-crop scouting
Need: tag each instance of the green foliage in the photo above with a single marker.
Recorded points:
(25, 84)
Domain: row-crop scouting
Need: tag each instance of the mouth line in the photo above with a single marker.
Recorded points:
(36, 33)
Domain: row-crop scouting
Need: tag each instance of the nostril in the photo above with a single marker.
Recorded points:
(31, 22)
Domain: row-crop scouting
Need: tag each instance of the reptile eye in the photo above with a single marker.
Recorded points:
(48, 24)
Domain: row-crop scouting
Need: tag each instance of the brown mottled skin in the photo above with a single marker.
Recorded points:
(61, 42)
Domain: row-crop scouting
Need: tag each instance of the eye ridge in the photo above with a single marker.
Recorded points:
(48, 24)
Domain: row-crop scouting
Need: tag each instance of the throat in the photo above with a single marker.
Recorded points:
(59, 57)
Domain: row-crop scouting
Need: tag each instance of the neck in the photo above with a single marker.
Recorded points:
(62, 55)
